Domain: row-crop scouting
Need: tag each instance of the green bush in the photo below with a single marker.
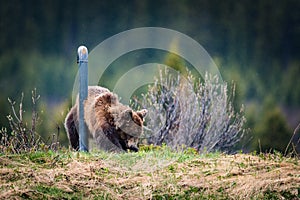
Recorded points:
(271, 131)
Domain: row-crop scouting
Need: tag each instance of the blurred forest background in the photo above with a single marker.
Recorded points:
(255, 43)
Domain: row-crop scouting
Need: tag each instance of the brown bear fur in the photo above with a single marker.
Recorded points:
(107, 121)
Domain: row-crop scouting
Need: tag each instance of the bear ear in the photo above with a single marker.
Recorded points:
(142, 113)
(127, 113)
(106, 98)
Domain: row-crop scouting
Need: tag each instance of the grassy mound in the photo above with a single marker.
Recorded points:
(148, 174)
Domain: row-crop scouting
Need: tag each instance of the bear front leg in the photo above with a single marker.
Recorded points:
(72, 132)
(111, 134)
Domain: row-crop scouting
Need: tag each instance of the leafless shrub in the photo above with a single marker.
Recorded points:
(22, 138)
(184, 112)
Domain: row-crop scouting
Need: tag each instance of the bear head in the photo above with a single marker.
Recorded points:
(125, 125)
(129, 125)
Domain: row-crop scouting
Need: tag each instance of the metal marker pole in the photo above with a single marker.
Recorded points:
(82, 57)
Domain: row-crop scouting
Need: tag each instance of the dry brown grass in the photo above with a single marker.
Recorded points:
(77, 176)
(242, 176)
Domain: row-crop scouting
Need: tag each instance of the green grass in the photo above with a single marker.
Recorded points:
(151, 173)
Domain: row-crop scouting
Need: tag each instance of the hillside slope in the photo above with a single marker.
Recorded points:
(148, 175)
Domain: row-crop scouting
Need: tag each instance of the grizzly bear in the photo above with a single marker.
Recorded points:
(112, 125)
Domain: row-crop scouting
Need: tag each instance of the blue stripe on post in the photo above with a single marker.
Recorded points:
(82, 57)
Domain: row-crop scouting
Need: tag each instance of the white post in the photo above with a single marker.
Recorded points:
(82, 57)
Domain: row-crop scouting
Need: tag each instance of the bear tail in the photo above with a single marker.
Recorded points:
(71, 129)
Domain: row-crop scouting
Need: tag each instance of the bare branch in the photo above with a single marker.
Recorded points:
(291, 140)
(12, 104)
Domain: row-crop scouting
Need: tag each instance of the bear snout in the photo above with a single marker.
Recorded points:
(132, 144)
(133, 148)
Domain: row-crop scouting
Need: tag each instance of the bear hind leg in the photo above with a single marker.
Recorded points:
(72, 130)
